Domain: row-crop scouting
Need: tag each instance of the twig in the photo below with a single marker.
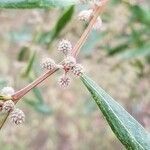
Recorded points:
(86, 33)
(19, 94)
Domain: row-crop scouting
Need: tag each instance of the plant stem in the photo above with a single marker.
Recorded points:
(19, 94)
(86, 33)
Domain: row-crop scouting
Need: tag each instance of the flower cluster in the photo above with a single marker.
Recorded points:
(69, 63)
(86, 15)
(16, 115)
(65, 47)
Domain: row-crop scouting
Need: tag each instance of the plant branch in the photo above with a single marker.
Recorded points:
(86, 33)
(19, 94)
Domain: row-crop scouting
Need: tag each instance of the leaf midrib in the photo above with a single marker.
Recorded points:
(115, 114)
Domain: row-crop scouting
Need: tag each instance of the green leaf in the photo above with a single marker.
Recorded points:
(118, 49)
(137, 52)
(38, 95)
(62, 21)
(28, 68)
(48, 38)
(3, 117)
(39, 107)
(140, 14)
(23, 54)
(36, 3)
(132, 135)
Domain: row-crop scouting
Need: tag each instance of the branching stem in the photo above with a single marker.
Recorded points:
(19, 94)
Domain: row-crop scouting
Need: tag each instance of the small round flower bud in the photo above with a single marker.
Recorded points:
(98, 24)
(8, 106)
(69, 62)
(7, 91)
(77, 70)
(64, 81)
(65, 47)
(95, 2)
(85, 15)
(48, 63)
(17, 116)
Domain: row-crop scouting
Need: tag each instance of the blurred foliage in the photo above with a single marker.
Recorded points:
(135, 36)
(48, 37)
(92, 40)
(35, 3)
(3, 83)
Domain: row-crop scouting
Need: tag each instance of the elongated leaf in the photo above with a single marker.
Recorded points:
(39, 107)
(23, 54)
(132, 135)
(137, 52)
(140, 14)
(119, 48)
(63, 20)
(3, 118)
(36, 3)
(29, 65)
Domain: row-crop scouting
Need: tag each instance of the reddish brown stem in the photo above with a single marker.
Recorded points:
(19, 94)
(86, 33)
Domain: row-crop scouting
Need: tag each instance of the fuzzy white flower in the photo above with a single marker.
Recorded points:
(77, 70)
(7, 91)
(69, 62)
(64, 81)
(65, 47)
(85, 15)
(17, 116)
(48, 63)
(8, 106)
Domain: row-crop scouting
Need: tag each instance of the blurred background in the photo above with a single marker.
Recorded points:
(117, 58)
